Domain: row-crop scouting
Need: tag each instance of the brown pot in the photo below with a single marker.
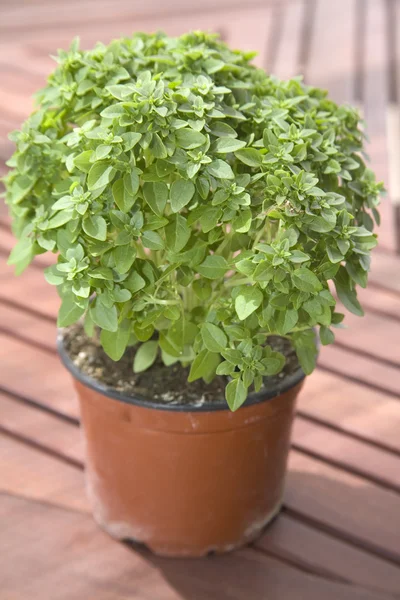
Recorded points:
(184, 481)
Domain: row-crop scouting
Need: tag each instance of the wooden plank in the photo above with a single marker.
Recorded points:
(286, 63)
(355, 367)
(63, 554)
(60, 17)
(125, 23)
(26, 328)
(380, 301)
(36, 475)
(311, 549)
(386, 271)
(331, 63)
(375, 103)
(358, 510)
(64, 439)
(305, 547)
(371, 463)
(37, 375)
(44, 432)
(59, 396)
(250, 31)
(359, 411)
(43, 297)
(328, 444)
(373, 333)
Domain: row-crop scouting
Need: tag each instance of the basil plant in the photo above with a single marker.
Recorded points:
(197, 205)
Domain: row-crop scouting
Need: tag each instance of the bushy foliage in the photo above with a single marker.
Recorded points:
(197, 205)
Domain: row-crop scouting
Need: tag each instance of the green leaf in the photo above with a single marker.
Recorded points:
(100, 175)
(235, 394)
(220, 169)
(124, 257)
(132, 181)
(61, 218)
(134, 283)
(156, 195)
(145, 356)
(298, 256)
(213, 267)
(250, 157)
(181, 193)
(221, 129)
(177, 234)
(247, 301)
(242, 223)
(115, 342)
(214, 338)
(306, 351)
(189, 139)
(286, 320)
(210, 218)
(22, 254)
(152, 240)
(349, 300)
(204, 365)
(122, 198)
(104, 317)
(347, 295)
(326, 336)
(69, 311)
(114, 111)
(95, 226)
(228, 144)
(130, 139)
(305, 280)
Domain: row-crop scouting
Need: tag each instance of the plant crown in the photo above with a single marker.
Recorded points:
(197, 205)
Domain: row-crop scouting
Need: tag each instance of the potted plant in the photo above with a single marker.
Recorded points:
(199, 209)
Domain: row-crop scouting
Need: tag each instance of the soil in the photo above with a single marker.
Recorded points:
(159, 383)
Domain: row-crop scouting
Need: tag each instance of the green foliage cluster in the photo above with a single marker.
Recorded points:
(197, 205)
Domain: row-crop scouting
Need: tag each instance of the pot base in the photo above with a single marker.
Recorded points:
(123, 532)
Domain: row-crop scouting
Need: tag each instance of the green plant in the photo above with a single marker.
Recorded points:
(201, 204)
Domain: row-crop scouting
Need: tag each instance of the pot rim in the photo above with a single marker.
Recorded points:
(253, 398)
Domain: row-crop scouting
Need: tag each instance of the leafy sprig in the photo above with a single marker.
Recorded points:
(197, 205)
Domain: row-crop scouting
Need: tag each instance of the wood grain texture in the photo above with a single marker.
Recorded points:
(342, 497)
(73, 559)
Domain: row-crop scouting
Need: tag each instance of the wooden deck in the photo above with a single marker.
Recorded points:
(338, 537)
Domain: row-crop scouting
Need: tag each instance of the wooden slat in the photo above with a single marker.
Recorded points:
(26, 328)
(367, 371)
(62, 554)
(37, 375)
(58, 16)
(379, 301)
(305, 547)
(363, 412)
(371, 463)
(44, 432)
(361, 511)
(375, 103)
(331, 63)
(57, 392)
(374, 334)
(310, 548)
(286, 64)
(385, 271)
(36, 475)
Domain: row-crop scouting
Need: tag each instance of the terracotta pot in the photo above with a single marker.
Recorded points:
(184, 481)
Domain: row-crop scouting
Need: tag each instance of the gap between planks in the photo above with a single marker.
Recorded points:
(297, 515)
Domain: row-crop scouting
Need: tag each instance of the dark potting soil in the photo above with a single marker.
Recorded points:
(159, 383)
